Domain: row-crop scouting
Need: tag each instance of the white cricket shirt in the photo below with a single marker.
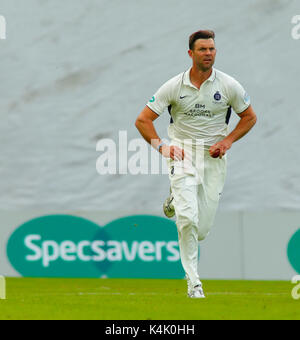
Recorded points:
(200, 114)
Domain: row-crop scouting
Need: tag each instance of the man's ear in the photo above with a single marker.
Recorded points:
(190, 52)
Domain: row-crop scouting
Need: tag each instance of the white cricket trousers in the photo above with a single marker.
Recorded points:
(196, 190)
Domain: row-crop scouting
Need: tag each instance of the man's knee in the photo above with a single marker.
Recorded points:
(202, 235)
(187, 223)
(203, 232)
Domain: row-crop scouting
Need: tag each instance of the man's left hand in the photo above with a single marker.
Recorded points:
(223, 146)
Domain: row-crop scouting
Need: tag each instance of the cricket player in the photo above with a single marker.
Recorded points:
(199, 101)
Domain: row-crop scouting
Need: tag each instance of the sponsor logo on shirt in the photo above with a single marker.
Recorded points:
(199, 111)
(247, 98)
(152, 100)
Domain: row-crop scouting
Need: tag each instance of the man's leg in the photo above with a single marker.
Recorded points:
(186, 208)
(209, 193)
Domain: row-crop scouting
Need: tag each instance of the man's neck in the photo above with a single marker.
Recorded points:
(198, 76)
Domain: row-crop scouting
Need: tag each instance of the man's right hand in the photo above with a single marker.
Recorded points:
(174, 152)
(144, 124)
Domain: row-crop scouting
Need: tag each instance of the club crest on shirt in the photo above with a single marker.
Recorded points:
(217, 96)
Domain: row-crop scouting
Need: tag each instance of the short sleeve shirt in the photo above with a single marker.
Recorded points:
(200, 114)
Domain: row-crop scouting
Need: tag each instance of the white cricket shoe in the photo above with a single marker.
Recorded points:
(196, 292)
(168, 206)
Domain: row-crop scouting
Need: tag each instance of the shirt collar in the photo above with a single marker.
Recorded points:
(187, 79)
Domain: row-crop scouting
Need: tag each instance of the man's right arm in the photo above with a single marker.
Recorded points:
(144, 124)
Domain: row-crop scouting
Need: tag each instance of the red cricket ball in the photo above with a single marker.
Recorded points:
(216, 154)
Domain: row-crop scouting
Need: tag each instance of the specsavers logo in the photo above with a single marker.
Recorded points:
(140, 246)
(293, 251)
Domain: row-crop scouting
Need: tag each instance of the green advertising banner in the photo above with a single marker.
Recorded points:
(293, 251)
(141, 246)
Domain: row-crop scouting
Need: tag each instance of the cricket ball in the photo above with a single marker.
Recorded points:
(216, 154)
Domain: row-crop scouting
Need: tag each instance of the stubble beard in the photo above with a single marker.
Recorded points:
(201, 67)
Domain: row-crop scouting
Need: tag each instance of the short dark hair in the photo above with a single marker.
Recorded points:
(207, 34)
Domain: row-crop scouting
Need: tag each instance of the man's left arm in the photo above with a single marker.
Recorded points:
(247, 121)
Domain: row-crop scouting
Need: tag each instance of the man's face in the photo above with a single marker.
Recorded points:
(203, 54)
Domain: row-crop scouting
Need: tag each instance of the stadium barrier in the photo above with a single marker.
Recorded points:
(256, 246)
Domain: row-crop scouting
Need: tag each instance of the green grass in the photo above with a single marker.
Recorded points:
(125, 299)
